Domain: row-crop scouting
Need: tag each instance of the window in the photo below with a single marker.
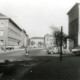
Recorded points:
(1, 42)
(1, 33)
(1, 25)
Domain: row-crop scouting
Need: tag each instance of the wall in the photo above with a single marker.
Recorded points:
(24, 39)
(10, 34)
(14, 34)
(49, 41)
(4, 31)
(79, 28)
(37, 42)
(73, 24)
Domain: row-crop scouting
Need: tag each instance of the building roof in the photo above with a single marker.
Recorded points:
(2, 16)
(15, 24)
(48, 35)
(76, 4)
(37, 38)
(25, 32)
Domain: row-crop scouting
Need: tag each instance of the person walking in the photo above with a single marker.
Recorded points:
(27, 51)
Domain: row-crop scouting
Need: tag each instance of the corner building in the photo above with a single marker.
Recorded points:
(10, 32)
(74, 24)
(49, 41)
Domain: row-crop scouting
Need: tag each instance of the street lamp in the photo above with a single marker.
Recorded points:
(61, 44)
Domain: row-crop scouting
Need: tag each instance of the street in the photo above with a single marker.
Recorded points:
(42, 66)
(39, 40)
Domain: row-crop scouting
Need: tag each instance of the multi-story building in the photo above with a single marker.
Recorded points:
(37, 42)
(49, 40)
(10, 32)
(74, 24)
(24, 38)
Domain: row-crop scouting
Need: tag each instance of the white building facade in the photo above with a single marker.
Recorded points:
(10, 32)
(37, 42)
(49, 41)
(24, 38)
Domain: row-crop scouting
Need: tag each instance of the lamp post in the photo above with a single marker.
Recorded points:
(61, 44)
(5, 46)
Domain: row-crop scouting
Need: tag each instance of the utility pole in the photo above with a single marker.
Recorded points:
(61, 44)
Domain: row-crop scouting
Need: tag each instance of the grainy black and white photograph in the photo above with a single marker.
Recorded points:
(39, 39)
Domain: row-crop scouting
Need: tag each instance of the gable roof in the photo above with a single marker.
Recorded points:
(3, 16)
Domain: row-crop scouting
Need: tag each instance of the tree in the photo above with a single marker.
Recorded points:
(56, 32)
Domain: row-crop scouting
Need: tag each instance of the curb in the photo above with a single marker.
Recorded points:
(10, 51)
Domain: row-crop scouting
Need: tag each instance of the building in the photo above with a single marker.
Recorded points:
(24, 38)
(37, 42)
(74, 24)
(10, 32)
(54, 40)
(49, 41)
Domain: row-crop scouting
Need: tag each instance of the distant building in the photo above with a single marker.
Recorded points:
(10, 33)
(49, 41)
(55, 41)
(74, 24)
(37, 42)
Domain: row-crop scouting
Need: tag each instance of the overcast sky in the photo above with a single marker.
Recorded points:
(35, 16)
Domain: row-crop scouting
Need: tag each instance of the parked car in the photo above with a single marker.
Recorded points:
(52, 50)
(34, 46)
(65, 51)
(16, 47)
(76, 51)
(55, 50)
(9, 48)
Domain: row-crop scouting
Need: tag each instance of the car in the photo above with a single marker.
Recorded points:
(76, 51)
(34, 46)
(9, 48)
(65, 51)
(52, 50)
(56, 50)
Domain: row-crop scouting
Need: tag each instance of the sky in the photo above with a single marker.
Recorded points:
(36, 16)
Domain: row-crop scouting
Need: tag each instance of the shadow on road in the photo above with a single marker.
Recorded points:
(42, 68)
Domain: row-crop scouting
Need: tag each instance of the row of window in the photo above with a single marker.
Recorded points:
(13, 27)
(13, 34)
(1, 25)
(1, 42)
(1, 32)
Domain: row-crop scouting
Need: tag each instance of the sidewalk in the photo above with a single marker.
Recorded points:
(10, 51)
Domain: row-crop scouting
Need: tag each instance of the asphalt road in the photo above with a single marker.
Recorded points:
(42, 66)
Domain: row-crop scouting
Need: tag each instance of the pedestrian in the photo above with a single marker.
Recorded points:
(26, 50)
